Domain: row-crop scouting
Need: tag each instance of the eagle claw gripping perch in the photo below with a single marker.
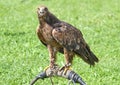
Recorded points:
(70, 75)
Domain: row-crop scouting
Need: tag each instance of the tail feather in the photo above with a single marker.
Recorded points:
(87, 55)
(92, 54)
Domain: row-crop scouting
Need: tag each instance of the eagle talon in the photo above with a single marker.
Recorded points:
(46, 68)
(65, 68)
(51, 67)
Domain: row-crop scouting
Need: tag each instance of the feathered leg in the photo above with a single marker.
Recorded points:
(68, 59)
(52, 55)
(68, 56)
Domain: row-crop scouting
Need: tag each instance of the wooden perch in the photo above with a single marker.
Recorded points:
(57, 71)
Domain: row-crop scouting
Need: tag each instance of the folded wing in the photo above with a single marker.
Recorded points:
(72, 39)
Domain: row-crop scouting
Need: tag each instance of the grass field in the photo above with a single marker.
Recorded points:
(22, 56)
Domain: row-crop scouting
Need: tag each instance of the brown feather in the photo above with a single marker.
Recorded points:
(72, 39)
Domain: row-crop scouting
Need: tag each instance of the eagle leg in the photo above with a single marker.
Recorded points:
(52, 55)
(68, 59)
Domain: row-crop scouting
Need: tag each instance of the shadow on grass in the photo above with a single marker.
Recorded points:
(14, 34)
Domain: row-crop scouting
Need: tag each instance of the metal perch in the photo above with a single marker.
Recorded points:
(57, 71)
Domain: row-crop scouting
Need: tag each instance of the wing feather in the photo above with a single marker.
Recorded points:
(72, 39)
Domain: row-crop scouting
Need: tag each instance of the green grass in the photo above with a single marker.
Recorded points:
(22, 56)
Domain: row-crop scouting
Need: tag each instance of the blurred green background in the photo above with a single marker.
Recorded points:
(22, 56)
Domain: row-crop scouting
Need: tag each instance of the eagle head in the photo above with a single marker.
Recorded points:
(42, 11)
